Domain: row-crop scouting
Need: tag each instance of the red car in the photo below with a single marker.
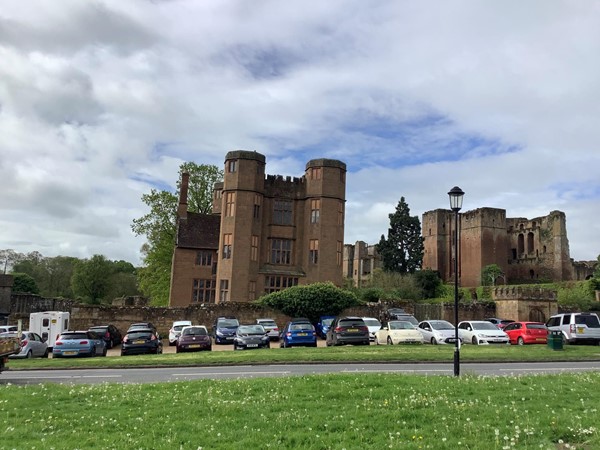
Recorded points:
(526, 333)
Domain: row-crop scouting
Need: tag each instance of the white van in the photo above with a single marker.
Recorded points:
(576, 327)
(49, 324)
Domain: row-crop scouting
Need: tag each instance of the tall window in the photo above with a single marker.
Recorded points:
(315, 173)
(277, 283)
(203, 291)
(339, 253)
(340, 213)
(224, 291)
(313, 251)
(231, 165)
(229, 204)
(254, 248)
(315, 210)
(257, 203)
(282, 212)
(281, 251)
(227, 238)
(204, 258)
(252, 290)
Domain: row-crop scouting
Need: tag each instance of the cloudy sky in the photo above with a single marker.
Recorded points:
(101, 101)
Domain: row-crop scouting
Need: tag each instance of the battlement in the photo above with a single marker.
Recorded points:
(523, 293)
(274, 180)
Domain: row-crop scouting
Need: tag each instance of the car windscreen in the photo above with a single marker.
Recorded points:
(227, 323)
(591, 321)
(484, 326)
(351, 323)
(441, 325)
(178, 327)
(251, 329)
(535, 326)
(401, 325)
(301, 326)
(327, 322)
(139, 335)
(268, 323)
(194, 331)
(73, 336)
(99, 330)
(372, 322)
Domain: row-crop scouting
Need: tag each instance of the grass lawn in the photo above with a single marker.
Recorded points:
(366, 411)
(396, 353)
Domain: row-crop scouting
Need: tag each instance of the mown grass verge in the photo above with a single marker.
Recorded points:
(366, 411)
(396, 353)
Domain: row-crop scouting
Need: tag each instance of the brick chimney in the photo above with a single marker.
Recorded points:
(183, 194)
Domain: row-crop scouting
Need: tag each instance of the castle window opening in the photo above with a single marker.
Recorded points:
(231, 166)
(530, 242)
(203, 291)
(281, 251)
(544, 249)
(313, 252)
(315, 210)
(340, 218)
(252, 290)
(254, 248)
(282, 212)
(204, 258)
(224, 291)
(227, 239)
(315, 173)
(257, 203)
(532, 274)
(229, 204)
(521, 244)
(277, 283)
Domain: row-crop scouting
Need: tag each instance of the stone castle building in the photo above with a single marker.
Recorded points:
(527, 250)
(265, 233)
(360, 260)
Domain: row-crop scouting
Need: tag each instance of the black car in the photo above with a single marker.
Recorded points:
(110, 334)
(141, 340)
(348, 330)
(400, 314)
(224, 329)
(251, 336)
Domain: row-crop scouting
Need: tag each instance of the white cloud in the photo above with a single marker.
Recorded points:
(100, 101)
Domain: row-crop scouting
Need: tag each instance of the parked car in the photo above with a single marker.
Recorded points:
(250, 336)
(142, 325)
(32, 345)
(526, 333)
(323, 325)
(481, 332)
(193, 338)
(224, 330)
(400, 314)
(577, 328)
(398, 332)
(298, 332)
(79, 343)
(175, 330)
(110, 334)
(8, 328)
(437, 332)
(500, 323)
(374, 325)
(347, 330)
(270, 327)
(141, 340)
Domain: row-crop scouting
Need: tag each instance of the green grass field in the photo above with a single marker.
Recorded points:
(367, 411)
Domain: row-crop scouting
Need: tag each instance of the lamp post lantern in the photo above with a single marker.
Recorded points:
(456, 199)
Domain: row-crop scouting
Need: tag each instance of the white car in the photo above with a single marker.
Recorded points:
(373, 325)
(481, 332)
(270, 327)
(398, 332)
(175, 330)
(437, 332)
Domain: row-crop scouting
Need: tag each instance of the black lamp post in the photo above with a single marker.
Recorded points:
(456, 198)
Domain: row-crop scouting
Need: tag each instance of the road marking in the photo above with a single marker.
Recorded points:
(229, 373)
(67, 377)
(395, 370)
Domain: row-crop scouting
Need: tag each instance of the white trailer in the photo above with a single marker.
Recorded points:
(49, 324)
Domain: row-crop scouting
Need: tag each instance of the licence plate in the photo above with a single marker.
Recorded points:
(580, 330)
(302, 334)
(352, 330)
(252, 345)
(194, 345)
(139, 342)
(69, 353)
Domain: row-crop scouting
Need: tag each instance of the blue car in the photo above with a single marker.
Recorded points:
(79, 343)
(224, 330)
(323, 325)
(298, 333)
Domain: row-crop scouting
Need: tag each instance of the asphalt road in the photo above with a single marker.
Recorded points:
(172, 374)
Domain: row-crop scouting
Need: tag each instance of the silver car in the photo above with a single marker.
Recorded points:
(437, 332)
(270, 327)
(32, 345)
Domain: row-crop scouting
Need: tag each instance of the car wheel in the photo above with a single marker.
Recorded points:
(105, 352)
(376, 341)
(93, 351)
(474, 341)
(209, 348)
(434, 341)
(314, 345)
(46, 353)
(520, 341)
(177, 349)
(29, 354)
(389, 341)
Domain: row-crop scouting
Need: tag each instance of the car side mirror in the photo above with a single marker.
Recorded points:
(385, 328)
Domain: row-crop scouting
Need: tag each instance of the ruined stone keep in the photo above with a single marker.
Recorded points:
(265, 233)
(527, 250)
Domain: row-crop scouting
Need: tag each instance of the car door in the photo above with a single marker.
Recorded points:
(426, 331)
(513, 331)
(38, 346)
(465, 331)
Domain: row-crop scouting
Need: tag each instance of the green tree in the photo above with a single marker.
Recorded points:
(402, 251)
(90, 278)
(595, 280)
(311, 301)
(430, 283)
(24, 283)
(490, 273)
(52, 275)
(8, 257)
(160, 224)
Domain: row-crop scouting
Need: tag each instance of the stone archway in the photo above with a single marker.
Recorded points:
(537, 315)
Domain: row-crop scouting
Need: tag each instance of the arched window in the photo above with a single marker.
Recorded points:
(530, 242)
(521, 244)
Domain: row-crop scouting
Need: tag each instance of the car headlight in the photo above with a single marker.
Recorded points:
(220, 333)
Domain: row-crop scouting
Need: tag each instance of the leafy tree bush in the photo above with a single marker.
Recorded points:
(371, 294)
(575, 295)
(490, 273)
(24, 283)
(429, 281)
(311, 301)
